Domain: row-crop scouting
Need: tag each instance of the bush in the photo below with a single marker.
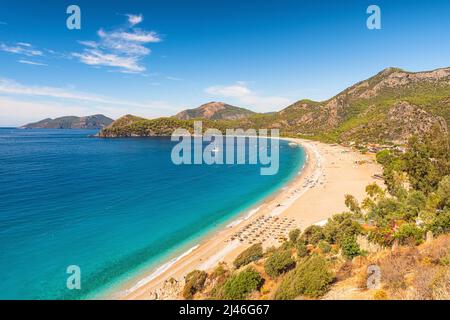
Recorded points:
(350, 247)
(415, 203)
(339, 226)
(443, 192)
(294, 234)
(324, 246)
(384, 157)
(194, 282)
(302, 249)
(383, 236)
(242, 284)
(312, 235)
(310, 278)
(445, 261)
(219, 276)
(409, 233)
(279, 262)
(253, 253)
(352, 204)
(220, 271)
(440, 224)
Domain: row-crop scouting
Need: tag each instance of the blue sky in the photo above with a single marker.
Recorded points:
(153, 58)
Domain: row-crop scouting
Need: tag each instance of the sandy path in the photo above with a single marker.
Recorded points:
(313, 196)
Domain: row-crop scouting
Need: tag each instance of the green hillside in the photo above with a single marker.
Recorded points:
(390, 106)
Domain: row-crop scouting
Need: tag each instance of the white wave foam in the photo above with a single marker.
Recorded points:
(160, 270)
(237, 221)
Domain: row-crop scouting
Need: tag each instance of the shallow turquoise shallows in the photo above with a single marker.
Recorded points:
(113, 207)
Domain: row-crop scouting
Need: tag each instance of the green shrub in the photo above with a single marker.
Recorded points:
(415, 202)
(220, 275)
(324, 246)
(312, 235)
(253, 253)
(310, 278)
(294, 234)
(269, 251)
(238, 286)
(194, 282)
(350, 247)
(440, 223)
(220, 271)
(443, 193)
(383, 236)
(302, 249)
(409, 233)
(445, 260)
(286, 245)
(340, 225)
(279, 262)
(352, 204)
(384, 157)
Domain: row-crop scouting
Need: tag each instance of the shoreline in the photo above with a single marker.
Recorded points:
(225, 243)
(149, 273)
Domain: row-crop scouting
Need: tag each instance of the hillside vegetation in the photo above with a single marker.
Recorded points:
(215, 111)
(389, 107)
(401, 232)
(97, 121)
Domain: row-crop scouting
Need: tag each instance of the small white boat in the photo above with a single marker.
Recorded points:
(216, 149)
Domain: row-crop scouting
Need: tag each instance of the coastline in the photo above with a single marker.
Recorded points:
(299, 201)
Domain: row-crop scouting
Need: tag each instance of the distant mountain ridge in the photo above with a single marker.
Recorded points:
(388, 107)
(215, 111)
(97, 121)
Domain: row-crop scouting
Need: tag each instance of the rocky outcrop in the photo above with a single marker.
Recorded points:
(170, 290)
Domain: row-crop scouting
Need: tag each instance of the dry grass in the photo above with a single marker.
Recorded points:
(396, 266)
(414, 272)
(423, 282)
(437, 249)
(344, 271)
(380, 295)
(441, 288)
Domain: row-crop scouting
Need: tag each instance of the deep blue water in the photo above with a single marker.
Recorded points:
(111, 206)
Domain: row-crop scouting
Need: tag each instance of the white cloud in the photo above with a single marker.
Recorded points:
(99, 58)
(237, 90)
(241, 94)
(24, 44)
(135, 36)
(91, 44)
(173, 78)
(8, 86)
(21, 103)
(135, 19)
(21, 48)
(15, 112)
(123, 49)
(31, 63)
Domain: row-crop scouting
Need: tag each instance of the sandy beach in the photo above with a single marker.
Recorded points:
(315, 194)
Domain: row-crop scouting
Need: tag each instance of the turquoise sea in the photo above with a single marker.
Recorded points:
(113, 207)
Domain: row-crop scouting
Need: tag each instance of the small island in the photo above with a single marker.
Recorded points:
(94, 122)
